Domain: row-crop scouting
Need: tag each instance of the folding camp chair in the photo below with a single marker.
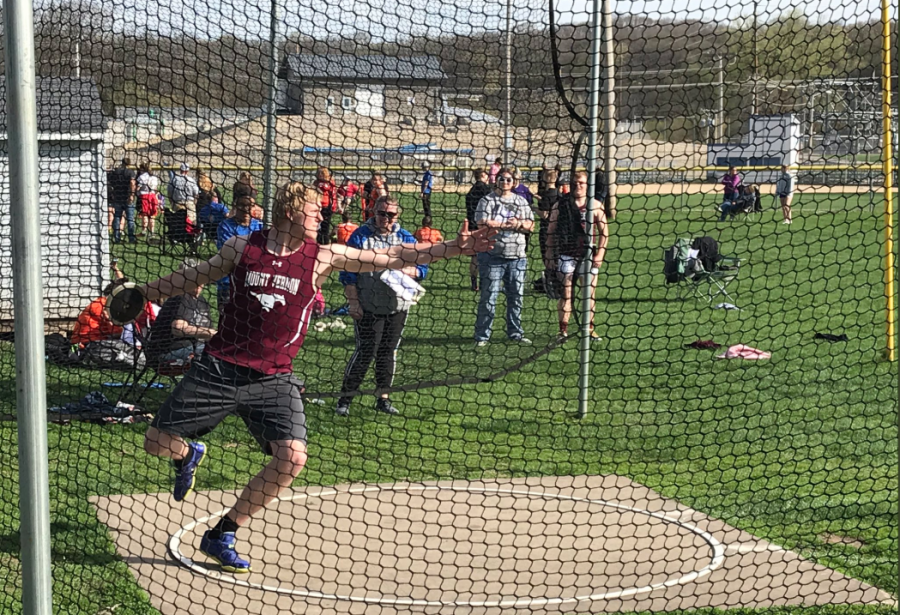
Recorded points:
(179, 235)
(171, 370)
(709, 285)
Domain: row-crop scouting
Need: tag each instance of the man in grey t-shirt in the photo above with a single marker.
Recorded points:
(183, 192)
(505, 265)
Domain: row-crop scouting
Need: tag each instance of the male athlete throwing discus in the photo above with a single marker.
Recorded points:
(247, 368)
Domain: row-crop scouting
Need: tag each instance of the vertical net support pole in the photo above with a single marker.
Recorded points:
(597, 30)
(608, 103)
(271, 95)
(31, 394)
(888, 163)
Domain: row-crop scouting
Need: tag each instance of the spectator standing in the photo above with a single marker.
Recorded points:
(478, 191)
(568, 247)
(183, 192)
(122, 189)
(542, 181)
(379, 313)
(521, 189)
(427, 185)
(547, 199)
(505, 265)
(784, 188)
(182, 327)
(372, 190)
(731, 181)
(243, 187)
(494, 170)
(561, 184)
(346, 194)
(240, 223)
(325, 185)
(428, 234)
(346, 228)
(148, 195)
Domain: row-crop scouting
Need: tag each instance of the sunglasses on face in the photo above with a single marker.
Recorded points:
(386, 214)
(505, 180)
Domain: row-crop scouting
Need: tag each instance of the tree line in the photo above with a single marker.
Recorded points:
(150, 69)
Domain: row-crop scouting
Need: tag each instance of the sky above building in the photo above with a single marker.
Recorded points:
(397, 19)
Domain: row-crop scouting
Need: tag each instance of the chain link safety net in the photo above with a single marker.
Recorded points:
(318, 326)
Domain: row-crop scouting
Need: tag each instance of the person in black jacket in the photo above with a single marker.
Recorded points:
(478, 191)
(548, 195)
(568, 246)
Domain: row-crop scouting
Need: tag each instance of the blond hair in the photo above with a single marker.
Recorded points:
(290, 200)
(324, 173)
(205, 183)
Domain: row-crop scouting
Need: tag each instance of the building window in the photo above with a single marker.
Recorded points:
(348, 103)
(329, 105)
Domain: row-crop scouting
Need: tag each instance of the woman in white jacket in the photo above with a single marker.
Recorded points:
(785, 191)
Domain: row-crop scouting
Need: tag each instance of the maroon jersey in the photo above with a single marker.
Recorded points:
(264, 324)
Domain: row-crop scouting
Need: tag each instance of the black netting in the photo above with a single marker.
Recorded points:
(459, 433)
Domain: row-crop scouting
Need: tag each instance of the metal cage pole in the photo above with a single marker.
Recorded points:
(31, 393)
(272, 90)
(608, 105)
(597, 32)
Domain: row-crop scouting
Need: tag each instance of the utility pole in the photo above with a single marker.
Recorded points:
(755, 105)
(507, 139)
(720, 101)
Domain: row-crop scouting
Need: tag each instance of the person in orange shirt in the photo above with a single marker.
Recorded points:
(94, 324)
(426, 234)
(346, 228)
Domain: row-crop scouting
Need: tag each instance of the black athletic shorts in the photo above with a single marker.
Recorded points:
(212, 389)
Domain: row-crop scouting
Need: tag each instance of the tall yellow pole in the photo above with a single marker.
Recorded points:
(888, 179)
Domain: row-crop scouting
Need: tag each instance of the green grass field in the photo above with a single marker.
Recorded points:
(794, 449)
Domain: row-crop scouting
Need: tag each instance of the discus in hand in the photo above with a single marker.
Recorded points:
(125, 303)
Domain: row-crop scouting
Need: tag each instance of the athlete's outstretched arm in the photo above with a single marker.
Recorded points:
(343, 258)
(187, 280)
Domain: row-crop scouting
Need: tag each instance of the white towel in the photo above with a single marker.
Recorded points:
(404, 286)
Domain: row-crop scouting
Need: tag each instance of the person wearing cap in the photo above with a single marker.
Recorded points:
(427, 185)
(183, 192)
(182, 327)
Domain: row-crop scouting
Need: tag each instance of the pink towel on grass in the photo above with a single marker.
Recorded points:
(744, 352)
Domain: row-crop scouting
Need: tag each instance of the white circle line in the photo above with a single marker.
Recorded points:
(718, 554)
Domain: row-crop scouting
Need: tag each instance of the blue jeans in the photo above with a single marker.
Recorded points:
(128, 210)
(728, 208)
(494, 273)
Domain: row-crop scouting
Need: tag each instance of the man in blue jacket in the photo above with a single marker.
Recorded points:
(378, 310)
(240, 223)
(427, 185)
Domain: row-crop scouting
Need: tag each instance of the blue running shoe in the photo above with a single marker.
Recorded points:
(222, 551)
(184, 478)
